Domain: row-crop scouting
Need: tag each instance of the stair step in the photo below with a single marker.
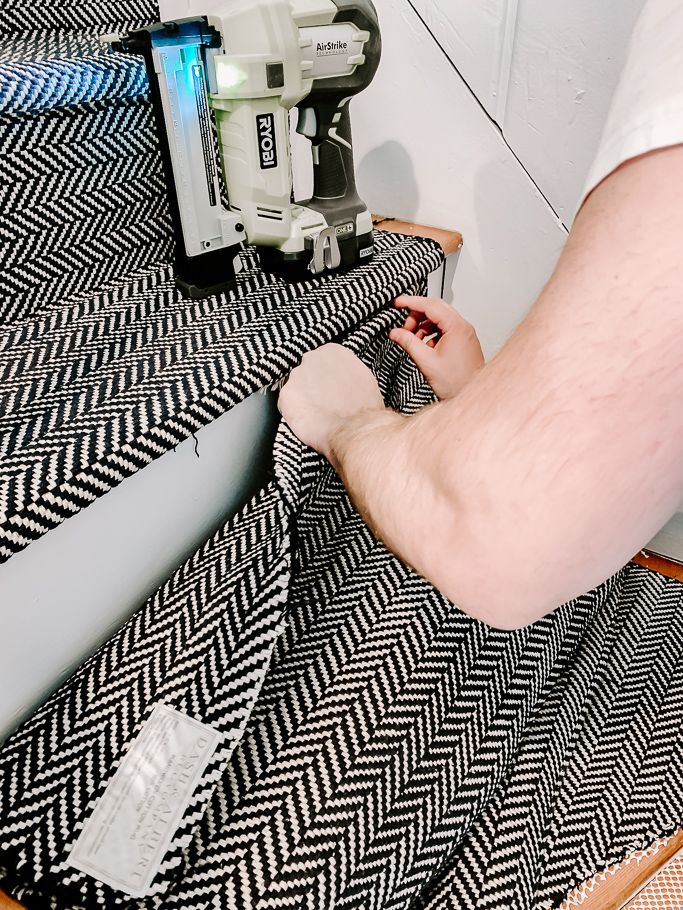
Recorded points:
(97, 15)
(80, 173)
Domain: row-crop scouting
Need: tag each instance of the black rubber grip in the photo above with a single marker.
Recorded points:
(333, 174)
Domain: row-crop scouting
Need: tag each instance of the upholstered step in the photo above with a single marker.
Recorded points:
(81, 189)
(68, 15)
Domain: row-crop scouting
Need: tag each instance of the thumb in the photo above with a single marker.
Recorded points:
(417, 350)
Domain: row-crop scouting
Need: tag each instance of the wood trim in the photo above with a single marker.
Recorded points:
(659, 564)
(450, 241)
(623, 883)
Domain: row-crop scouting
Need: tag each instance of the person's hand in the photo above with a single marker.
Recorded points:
(329, 388)
(443, 346)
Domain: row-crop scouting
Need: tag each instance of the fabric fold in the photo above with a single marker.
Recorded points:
(392, 752)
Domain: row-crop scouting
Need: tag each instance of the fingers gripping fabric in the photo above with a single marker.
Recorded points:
(398, 754)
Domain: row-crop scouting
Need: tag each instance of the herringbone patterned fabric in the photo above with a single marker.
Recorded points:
(85, 205)
(599, 770)
(382, 750)
(80, 180)
(96, 388)
(80, 172)
(57, 71)
(399, 754)
(95, 15)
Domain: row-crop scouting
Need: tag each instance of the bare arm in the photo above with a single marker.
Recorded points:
(564, 455)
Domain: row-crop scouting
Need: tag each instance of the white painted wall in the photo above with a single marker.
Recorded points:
(485, 117)
(479, 39)
(544, 71)
(564, 69)
(426, 151)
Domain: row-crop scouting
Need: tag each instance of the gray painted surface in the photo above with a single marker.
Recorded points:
(669, 541)
(64, 595)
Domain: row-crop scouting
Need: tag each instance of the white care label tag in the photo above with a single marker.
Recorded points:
(126, 838)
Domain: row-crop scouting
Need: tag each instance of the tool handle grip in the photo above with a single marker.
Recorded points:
(333, 168)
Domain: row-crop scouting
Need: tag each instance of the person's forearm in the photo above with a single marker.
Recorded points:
(414, 493)
(394, 469)
(564, 455)
(434, 507)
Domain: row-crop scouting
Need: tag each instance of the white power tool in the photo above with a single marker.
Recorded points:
(232, 70)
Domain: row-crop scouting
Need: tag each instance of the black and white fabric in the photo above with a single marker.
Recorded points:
(54, 72)
(382, 750)
(398, 755)
(96, 388)
(81, 185)
(95, 15)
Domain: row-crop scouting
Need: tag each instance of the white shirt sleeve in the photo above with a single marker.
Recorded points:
(647, 110)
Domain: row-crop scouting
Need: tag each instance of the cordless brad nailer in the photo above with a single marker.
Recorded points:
(232, 70)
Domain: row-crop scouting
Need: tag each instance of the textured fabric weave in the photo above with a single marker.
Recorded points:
(67, 15)
(81, 184)
(55, 71)
(399, 754)
(384, 751)
(95, 389)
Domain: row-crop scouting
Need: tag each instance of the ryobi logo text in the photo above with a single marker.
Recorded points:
(267, 146)
(331, 48)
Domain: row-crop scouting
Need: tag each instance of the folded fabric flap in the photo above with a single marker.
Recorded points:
(201, 645)
(56, 71)
(401, 382)
(172, 379)
(296, 468)
(45, 16)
